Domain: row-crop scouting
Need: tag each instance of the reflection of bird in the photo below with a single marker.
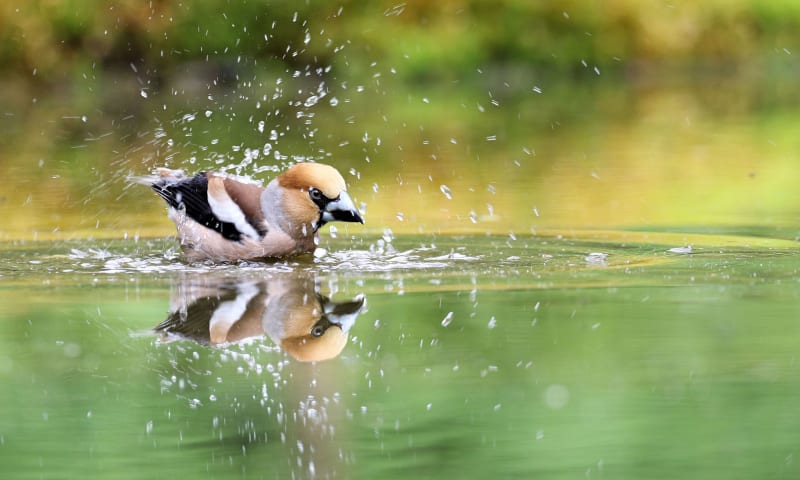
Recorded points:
(287, 307)
(222, 219)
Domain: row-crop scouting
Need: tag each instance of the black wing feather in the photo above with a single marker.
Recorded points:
(191, 195)
(193, 322)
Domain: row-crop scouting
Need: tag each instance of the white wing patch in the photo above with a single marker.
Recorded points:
(226, 209)
(230, 312)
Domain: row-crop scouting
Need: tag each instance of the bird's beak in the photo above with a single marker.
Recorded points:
(341, 209)
(344, 314)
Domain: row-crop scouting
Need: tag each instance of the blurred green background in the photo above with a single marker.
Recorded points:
(53, 41)
(494, 146)
(452, 116)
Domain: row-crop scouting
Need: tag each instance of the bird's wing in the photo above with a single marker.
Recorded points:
(205, 199)
(248, 197)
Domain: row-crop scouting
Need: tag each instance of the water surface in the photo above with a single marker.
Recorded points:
(582, 279)
(535, 356)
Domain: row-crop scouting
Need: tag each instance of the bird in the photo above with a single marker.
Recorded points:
(287, 307)
(221, 218)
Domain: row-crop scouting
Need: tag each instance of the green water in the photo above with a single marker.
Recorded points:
(474, 356)
(597, 277)
(580, 257)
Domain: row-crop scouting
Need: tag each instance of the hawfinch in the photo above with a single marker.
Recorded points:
(222, 219)
(287, 307)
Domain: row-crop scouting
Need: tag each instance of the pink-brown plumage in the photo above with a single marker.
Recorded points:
(219, 218)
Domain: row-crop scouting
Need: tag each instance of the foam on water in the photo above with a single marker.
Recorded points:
(163, 256)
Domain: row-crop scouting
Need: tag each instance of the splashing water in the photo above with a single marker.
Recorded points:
(446, 191)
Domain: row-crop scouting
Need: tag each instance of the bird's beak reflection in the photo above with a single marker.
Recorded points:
(343, 314)
(286, 307)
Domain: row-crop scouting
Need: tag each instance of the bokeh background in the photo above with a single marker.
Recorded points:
(532, 175)
(452, 116)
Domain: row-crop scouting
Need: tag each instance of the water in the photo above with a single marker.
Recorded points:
(646, 364)
(559, 280)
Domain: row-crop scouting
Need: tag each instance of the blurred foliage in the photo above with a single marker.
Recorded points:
(597, 113)
(716, 154)
(445, 39)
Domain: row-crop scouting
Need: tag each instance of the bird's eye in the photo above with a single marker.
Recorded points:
(315, 194)
(317, 331)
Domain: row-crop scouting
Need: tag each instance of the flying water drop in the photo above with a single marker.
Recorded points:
(448, 319)
(446, 191)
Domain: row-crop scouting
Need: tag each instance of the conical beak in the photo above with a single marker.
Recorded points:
(341, 209)
(344, 313)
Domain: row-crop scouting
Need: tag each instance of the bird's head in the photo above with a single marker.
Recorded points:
(318, 329)
(316, 194)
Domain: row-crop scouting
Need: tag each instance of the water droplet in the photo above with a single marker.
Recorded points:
(556, 396)
(446, 191)
(596, 258)
(143, 93)
(682, 250)
(448, 319)
(334, 101)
